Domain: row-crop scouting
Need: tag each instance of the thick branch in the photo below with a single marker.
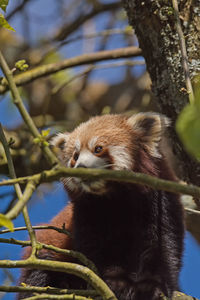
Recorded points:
(121, 176)
(75, 254)
(84, 59)
(83, 272)
(51, 290)
(22, 201)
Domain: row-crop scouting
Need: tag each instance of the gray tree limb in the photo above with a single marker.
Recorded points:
(155, 25)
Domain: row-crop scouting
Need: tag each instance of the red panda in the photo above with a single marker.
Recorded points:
(132, 233)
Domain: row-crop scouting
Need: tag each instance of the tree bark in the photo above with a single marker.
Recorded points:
(155, 27)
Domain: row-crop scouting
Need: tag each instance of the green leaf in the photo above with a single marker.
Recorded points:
(45, 132)
(3, 4)
(4, 23)
(21, 65)
(188, 126)
(4, 221)
(37, 140)
(45, 143)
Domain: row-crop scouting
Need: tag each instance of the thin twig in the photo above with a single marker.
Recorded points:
(49, 290)
(104, 33)
(17, 9)
(130, 63)
(18, 192)
(59, 297)
(193, 211)
(22, 109)
(41, 227)
(75, 254)
(183, 52)
(68, 29)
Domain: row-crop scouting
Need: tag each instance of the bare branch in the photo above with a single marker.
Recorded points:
(110, 175)
(68, 29)
(49, 290)
(75, 254)
(183, 52)
(41, 227)
(17, 9)
(67, 297)
(18, 192)
(103, 33)
(130, 63)
(84, 59)
(70, 268)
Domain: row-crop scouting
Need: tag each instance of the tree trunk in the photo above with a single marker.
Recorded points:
(154, 24)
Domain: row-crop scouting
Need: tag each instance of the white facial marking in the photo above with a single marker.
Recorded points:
(89, 160)
(92, 142)
(122, 159)
(78, 145)
(69, 163)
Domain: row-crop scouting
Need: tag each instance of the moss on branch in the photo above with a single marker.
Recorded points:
(110, 175)
(75, 254)
(70, 268)
(47, 290)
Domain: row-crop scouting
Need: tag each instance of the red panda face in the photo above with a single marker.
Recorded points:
(107, 142)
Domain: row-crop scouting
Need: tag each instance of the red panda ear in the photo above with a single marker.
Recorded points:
(149, 127)
(59, 141)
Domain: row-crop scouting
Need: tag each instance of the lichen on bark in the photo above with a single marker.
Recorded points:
(155, 25)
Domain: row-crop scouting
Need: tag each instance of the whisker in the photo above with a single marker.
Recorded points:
(107, 165)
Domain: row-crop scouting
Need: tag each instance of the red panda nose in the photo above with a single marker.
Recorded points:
(81, 165)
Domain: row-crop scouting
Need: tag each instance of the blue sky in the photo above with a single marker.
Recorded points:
(50, 201)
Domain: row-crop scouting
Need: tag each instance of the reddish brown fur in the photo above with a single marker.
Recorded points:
(113, 127)
(53, 237)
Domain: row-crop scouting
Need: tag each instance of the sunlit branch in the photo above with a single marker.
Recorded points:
(49, 290)
(70, 268)
(183, 52)
(75, 254)
(19, 193)
(84, 59)
(40, 227)
(110, 175)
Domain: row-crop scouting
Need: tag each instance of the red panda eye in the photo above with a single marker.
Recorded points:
(75, 156)
(98, 149)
